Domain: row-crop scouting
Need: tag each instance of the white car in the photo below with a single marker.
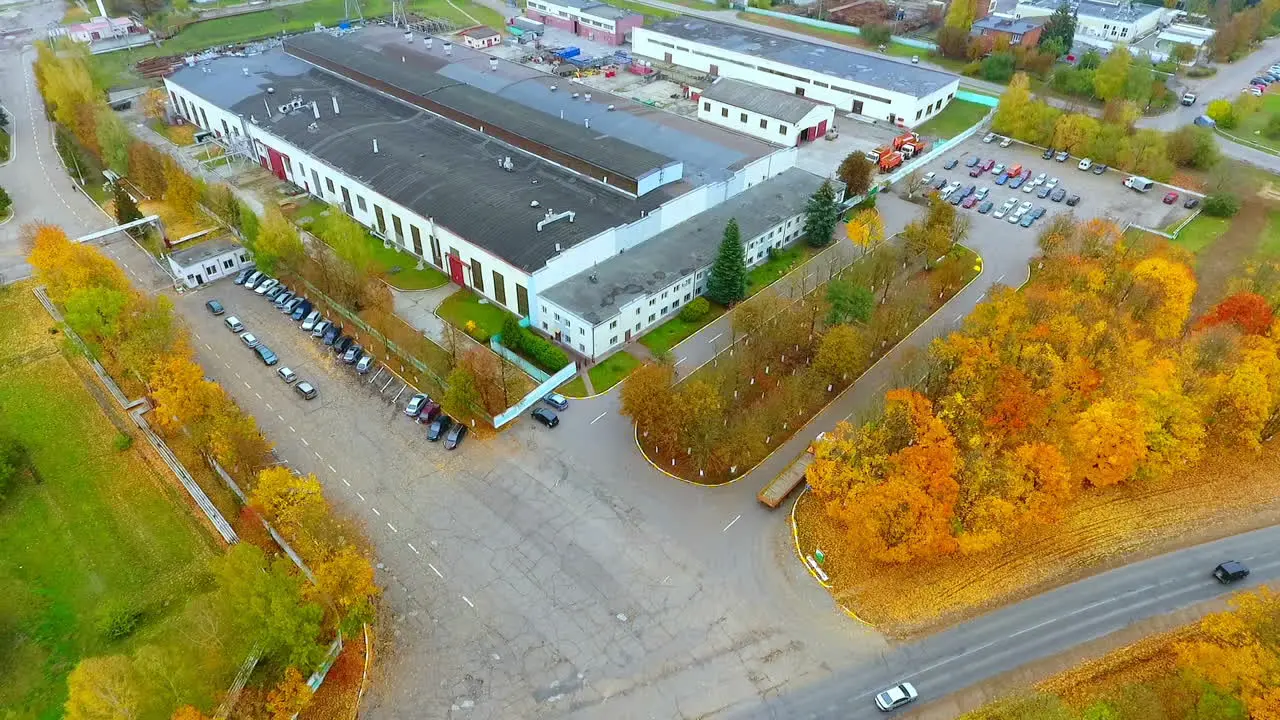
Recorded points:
(989, 137)
(1051, 183)
(1084, 164)
(250, 340)
(981, 193)
(1015, 216)
(998, 169)
(1024, 206)
(287, 375)
(946, 191)
(1253, 90)
(1029, 187)
(1040, 179)
(1006, 142)
(928, 177)
(264, 287)
(896, 696)
(1004, 209)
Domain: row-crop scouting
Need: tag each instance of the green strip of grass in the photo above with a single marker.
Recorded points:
(662, 338)
(780, 263)
(955, 118)
(466, 306)
(1201, 233)
(575, 388)
(1269, 244)
(612, 370)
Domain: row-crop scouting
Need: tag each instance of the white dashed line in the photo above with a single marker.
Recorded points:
(360, 496)
(434, 570)
(291, 428)
(464, 599)
(238, 376)
(332, 470)
(344, 482)
(281, 417)
(317, 456)
(304, 442)
(375, 512)
(246, 384)
(197, 335)
(999, 278)
(731, 522)
(259, 396)
(681, 360)
(393, 528)
(593, 422)
(227, 365)
(414, 549)
(717, 337)
(207, 347)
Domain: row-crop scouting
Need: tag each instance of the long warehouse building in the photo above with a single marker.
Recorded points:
(857, 82)
(510, 180)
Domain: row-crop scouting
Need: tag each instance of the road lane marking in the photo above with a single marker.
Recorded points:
(593, 422)
(344, 482)
(393, 528)
(259, 396)
(414, 549)
(464, 599)
(999, 278)
(237, 375)
(247, 385)
(360, 496)
(304, 442)
(731, 522)
(272, 409)
(717, 337)
(291, 429)
(318, 456)
(681, 360)
(206, 347)
(375, 512)
(434, 570)
(281, 417)
(332, 470)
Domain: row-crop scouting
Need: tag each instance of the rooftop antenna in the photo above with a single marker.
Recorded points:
(399, 15)
(353, 11)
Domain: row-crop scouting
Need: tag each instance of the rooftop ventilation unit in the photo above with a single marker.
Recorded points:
(448, 48)
(553, 216)
(244, 71)
(506, 164)
(427, 41)
(334, 98)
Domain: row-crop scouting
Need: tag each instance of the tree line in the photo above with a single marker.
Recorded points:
(1094, 375)
(258, 600)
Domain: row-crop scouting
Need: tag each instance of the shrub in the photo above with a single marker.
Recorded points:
(533, 347)
(1168, 66)
(998, 67)
(1272, 130)
(1222, 205)
(123, 442)
(696, 309)
(876, 34)
(1200, 71)
(117, 620)
(971, 69)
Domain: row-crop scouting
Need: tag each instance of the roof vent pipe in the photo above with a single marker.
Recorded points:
(611, 108)
(375, 146)
(315, 109)
(586, 122)
(448, 48)
(557, 247)
(334, 98)
(587, 97)
(553, 88)
(493, 64)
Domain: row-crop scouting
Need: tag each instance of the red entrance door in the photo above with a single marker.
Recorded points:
(277, 163)
(455, 270)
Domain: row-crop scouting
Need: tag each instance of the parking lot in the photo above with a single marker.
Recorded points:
(549, 577)
(1100, 195)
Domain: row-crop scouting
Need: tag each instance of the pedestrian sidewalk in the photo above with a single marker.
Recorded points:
(418, 308)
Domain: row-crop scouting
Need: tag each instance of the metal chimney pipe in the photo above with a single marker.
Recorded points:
(375, 146)
(334, 98)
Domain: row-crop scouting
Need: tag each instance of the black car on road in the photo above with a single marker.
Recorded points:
(546, 417)
(341, 344)
(1230, 571)
(215, 307)
(439, 427)
(454, 438)
(331, 334)
(352, 354)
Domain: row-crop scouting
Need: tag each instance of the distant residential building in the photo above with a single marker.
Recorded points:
(480, 37)
(1182, 34)
(1113, 22)
(592, 20)
(1017, 32)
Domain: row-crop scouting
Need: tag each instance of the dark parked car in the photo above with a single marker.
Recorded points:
(301, 310)
(320, 329)
(1192, 202)
(950, 164)
(283, 297)
(243, 275)
(289, 307)
(545, 416)
(969, 202)
(1073, 201)
(1043, 192)
(956, 198)
(305, 389)
(985, 207)
(352, 354)
(1230, 571)
(331, 334)
(455, 436)
(274, 292)
(439, 427)
(1098, 169)
(430, 412)
(939, 183)
(1038, 213)
(341, 344)
(1017, 182)
(1027, 220)
(973, 161)
(975, 172)
(1047, 154)
(267, 357)
(415, 405)
(215, 307)
(557, 401)
(1058, 194)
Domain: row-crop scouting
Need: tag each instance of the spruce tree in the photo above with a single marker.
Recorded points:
(821, 214)
(727, 283)
(127, 210)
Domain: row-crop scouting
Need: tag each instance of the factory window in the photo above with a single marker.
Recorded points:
(724, 112)
(782, 129)
(613, 324)
(382, 222)
(742, 117)
(637, 327)
(919, 113)
(315, 179)
(228, 264)
(650, 315)
(205, 117)
(360, 202)
(557, 317)
(706, 106)
(800, 91)
(582, 331)
(395, 223)
(651, 302)
(764, 124)
(477, 275)
(613, 340)
(688, 297)
(499, 288)
(1124, 32)
(522, 300)
(582, 347)
(328, 182)
(417, 240)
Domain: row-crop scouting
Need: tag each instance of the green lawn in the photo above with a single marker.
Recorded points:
(780, 263)
(1269, 244)
(1251, 126)
(99, 528)
(575, 388)
(612, 370)
(662, 338)
(955, 118)
(648, 10)
(897, 49)
(398, 267)
(1201, 232)
(466, 306)
(4, 146)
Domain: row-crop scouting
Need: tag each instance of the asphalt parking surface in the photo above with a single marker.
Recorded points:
(1100, 195)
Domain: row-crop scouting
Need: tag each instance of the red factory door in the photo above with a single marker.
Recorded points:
(277, 163)
(455, 270)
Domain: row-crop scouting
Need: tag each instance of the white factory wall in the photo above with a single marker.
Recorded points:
(204, 113)
(1098, 27)
(877, 103)
(206, 271)
(749, 123)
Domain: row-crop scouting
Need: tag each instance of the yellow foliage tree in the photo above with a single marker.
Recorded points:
(289, 697)
(103, 688)
(345, 580)
(1164, 290)
(65, 267)
(866, 230)
(286, 499)
(188, 712)
(181, 193)
(183, 397)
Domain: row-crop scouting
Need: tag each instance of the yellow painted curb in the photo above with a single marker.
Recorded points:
(795, 535)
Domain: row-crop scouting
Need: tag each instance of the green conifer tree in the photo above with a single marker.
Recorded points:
(727, 283)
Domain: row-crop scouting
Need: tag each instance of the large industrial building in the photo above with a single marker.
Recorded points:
(866, 84)
(1104, 22)
(513, 181)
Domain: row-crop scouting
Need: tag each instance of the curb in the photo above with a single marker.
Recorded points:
(13, 136)
(839, 395)
(795, 535)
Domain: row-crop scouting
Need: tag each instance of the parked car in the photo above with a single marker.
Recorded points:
(250, 340)
(1038, 212)
(416, 403)
(1062, 156)
(545, 416)
(1260, 80)
(439, 427)
(1015, 171)
(254, 278)
(1017, 182)
(1191, 203)
(243, 275)
(1230, 571)
(341, 344)
(455, 436)
(1098, 169)
(429, 413)
(997, 169)
(976, 171)
(1253, 90)
(557, 401)
(365, 365)
(987, 165)
(287, 375)
(274, 293)
(981, 193)
(989, 137)
(300, 310)
(352, 354)
(215, 307)
(1024, 206)
(927, 180)
(985, 207)
(956, 198)
(1029, 188)
(233, 324)
(284, 296)
(1084, 164)
(938, 183)
(969, 202)
(973, 161)
(309, 322)
(270, 284)
(896, 696)
(306, 390)
(267, 357)
(331, 334)
(1170, 198)
(1015, 217)
(948, 165)
(1002, 178)
(1006, 142)
(1058, 194)
(1004, 209)
(1047, 154)
(1051, 183)
(1040, 179)
(1043, 192)
(1073, 201)
(319, 329)
(289, 307)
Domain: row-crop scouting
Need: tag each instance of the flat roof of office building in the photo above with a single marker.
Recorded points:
(599, 293)
(436, 168)
(864, 68)
(203, 250)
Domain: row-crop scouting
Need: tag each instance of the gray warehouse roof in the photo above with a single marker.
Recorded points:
(872, 70)
(682, 249)
(186, 257)
(1120, 12)
(765, 101)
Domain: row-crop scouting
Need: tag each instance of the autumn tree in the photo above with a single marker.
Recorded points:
(961, 14)
(277, 244)
(266, 603)
(181, 193)
(103, 688)
(849, 301)
(856, 172)
(289, 696)
(1014, 111)
(345, 582)
(1248, 312)
(288, 500)
(147, 168)
(95, 313)
(462, 398)
(1108, 440)
(866, 230)
(154, 104)
(188, 712)
(64, 267)
(646, 398)
(1109, 80)
(842, 352)
(1162, 294)
(182, 396)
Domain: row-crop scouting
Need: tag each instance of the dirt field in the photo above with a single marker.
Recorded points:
(1102, 530)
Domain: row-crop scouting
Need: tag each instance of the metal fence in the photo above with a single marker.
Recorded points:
(547, 386)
